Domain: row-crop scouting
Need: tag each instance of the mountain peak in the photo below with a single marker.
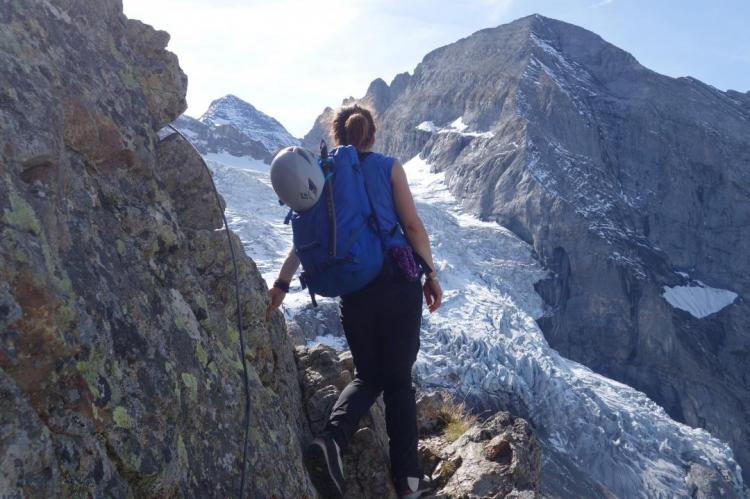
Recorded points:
(233, 111)
(534, 20)
(231, 101)
(564, 49)
(538, 22)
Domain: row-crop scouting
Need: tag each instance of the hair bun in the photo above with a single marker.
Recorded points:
(354, 126)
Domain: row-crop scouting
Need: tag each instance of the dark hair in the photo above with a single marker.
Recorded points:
(354, 125)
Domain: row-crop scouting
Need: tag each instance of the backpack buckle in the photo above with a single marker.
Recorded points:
(288, 217)
(303, 283)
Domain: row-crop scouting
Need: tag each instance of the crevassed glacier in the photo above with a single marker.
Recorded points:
(484, 343)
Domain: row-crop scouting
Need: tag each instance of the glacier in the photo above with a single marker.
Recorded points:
(484, 343)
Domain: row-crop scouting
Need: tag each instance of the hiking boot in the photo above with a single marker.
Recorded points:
(412, 487)
(323, 462)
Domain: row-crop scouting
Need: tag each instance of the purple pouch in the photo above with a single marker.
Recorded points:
(403, 259)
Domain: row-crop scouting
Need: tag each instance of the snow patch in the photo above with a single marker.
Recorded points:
(699, 301)
(240, 162)
(427, 126)
(220, 122)
(457, 126)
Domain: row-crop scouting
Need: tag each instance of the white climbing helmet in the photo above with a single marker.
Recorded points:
(296, 178)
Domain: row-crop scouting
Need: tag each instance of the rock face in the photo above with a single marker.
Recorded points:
(379, 96)
(630, 185)
(234, 127)
(366, 467)
(499, 457)
(120, 372)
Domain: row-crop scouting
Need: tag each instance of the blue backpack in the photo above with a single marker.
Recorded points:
(337, 239)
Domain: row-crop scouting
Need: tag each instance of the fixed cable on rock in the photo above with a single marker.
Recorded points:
(239, 311)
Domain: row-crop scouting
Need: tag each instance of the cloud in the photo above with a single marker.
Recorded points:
(291, 58)
(602, 3)
(498, 9)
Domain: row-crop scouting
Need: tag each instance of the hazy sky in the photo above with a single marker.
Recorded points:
(291, 58)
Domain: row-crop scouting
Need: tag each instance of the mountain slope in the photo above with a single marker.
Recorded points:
(632, 187)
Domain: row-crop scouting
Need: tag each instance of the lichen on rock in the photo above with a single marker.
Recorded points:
(120, 369)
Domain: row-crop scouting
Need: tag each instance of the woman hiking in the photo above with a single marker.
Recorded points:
(381, 322)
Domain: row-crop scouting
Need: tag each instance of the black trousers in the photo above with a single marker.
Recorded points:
(382, 323)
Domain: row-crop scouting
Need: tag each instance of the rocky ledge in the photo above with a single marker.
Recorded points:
(497, 456)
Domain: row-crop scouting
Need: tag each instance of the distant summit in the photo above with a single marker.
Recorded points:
(233, 111)
(234, 127)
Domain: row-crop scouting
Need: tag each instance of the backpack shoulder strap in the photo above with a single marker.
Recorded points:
(326, 162)
(373, 214)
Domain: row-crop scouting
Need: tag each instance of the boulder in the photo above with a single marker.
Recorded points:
(499, 457)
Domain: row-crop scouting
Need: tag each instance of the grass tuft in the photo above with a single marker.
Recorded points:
(455, 419)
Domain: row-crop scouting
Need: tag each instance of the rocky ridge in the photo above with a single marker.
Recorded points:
(628, 184)
(120, 372)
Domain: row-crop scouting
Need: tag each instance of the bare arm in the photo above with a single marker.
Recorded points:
(416, 233)
(407, 214)
(290, 266)
(276, 295)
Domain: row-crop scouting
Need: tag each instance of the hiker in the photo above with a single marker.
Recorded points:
(381, 321)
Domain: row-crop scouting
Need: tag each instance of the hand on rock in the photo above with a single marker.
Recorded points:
(276, 296)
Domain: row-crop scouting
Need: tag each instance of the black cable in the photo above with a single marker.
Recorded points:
(239, 310)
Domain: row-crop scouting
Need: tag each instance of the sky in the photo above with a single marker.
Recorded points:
(292, 58)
